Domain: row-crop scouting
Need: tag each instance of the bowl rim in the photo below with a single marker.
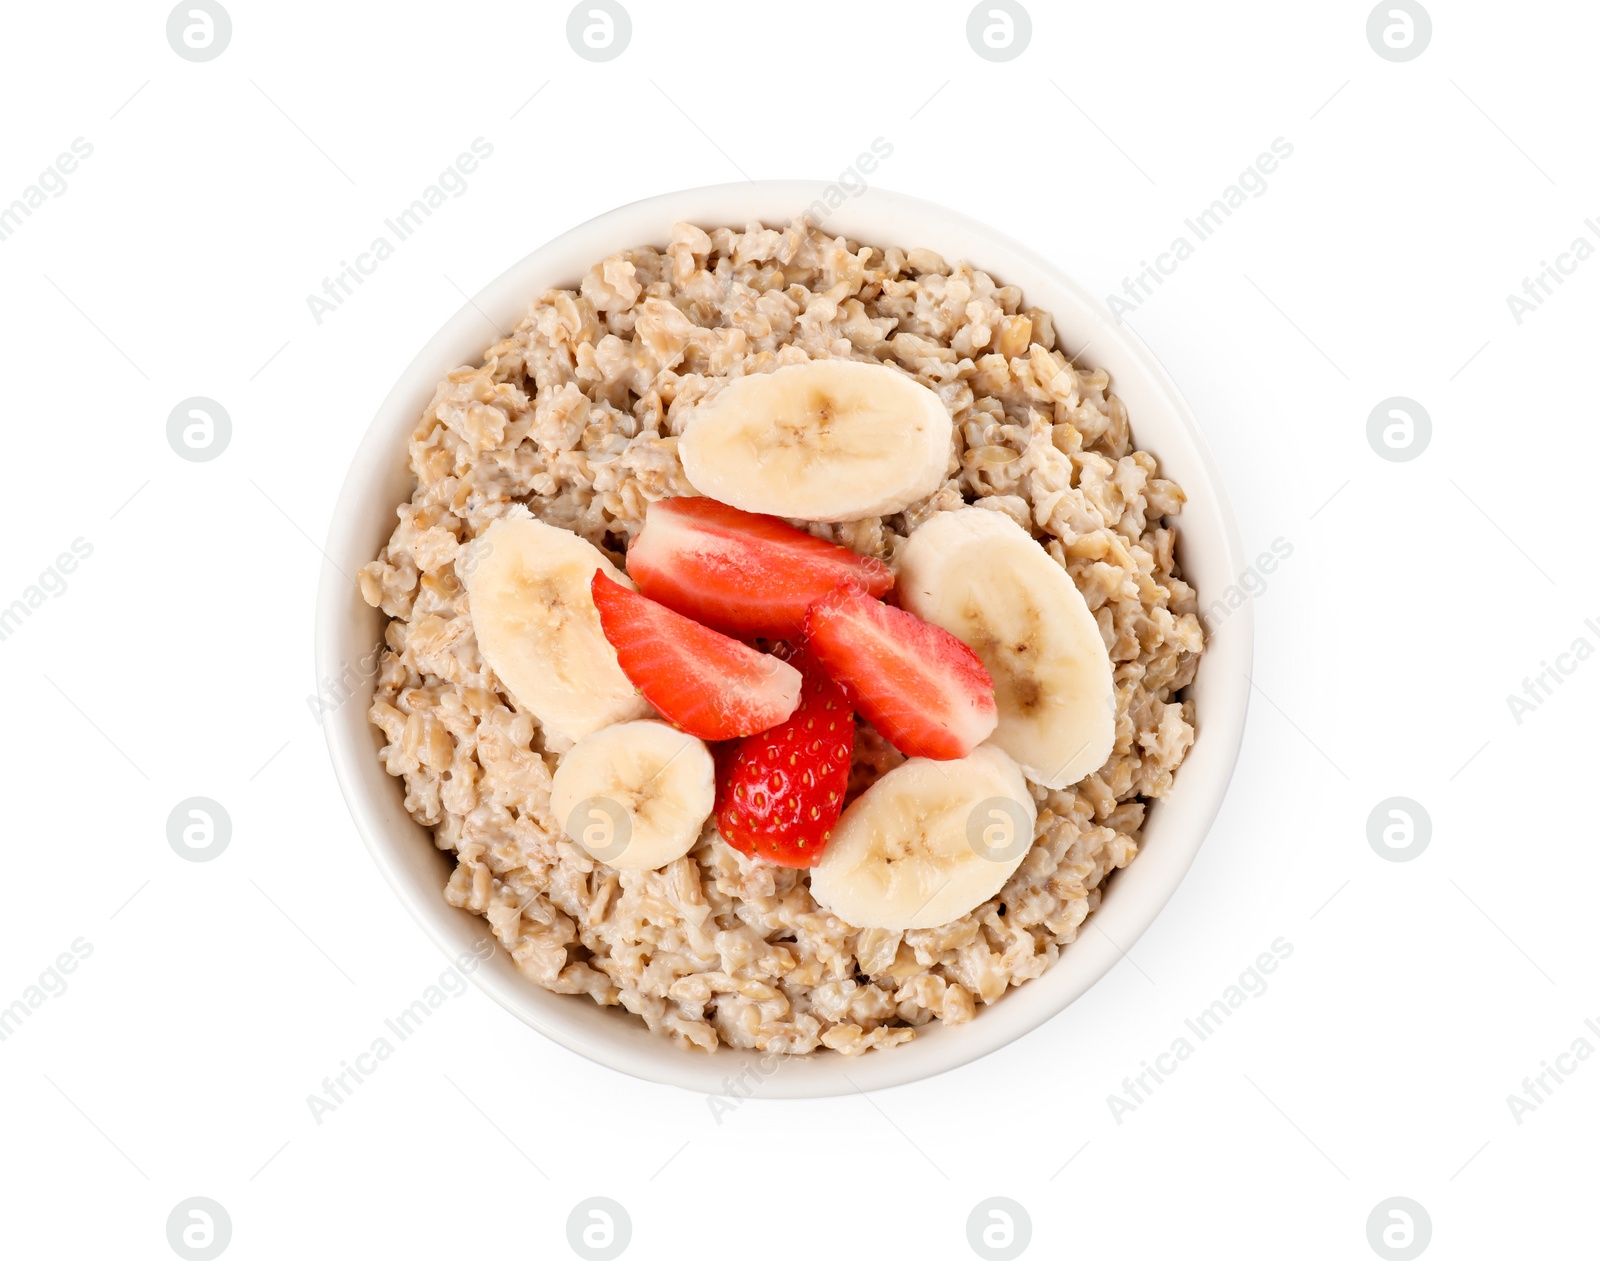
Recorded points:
(938, 1049)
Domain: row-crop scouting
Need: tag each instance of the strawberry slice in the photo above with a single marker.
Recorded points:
(780, 792)
(924, 690)
(742, 573)
(702, 682)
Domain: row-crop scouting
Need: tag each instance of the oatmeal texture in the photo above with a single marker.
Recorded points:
(576, 415)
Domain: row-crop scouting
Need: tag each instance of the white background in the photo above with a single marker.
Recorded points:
(177, 661)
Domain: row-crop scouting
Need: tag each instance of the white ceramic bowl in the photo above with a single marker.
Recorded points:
(347, 631)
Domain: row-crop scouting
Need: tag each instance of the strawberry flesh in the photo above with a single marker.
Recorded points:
(779, 793)
(924, 690)
(740, 572)
(704, 683)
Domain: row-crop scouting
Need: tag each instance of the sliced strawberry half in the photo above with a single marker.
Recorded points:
(702, 682)
(780, 792)
(740, 572)
(923, 689)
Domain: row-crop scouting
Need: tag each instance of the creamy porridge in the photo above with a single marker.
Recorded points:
(577, 418)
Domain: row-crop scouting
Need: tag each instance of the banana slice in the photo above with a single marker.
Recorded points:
(927, 842)
(528, 585)
(635, 795)
(830, 440)
(982, 577)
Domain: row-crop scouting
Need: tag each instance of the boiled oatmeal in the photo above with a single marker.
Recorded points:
(577, 418)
